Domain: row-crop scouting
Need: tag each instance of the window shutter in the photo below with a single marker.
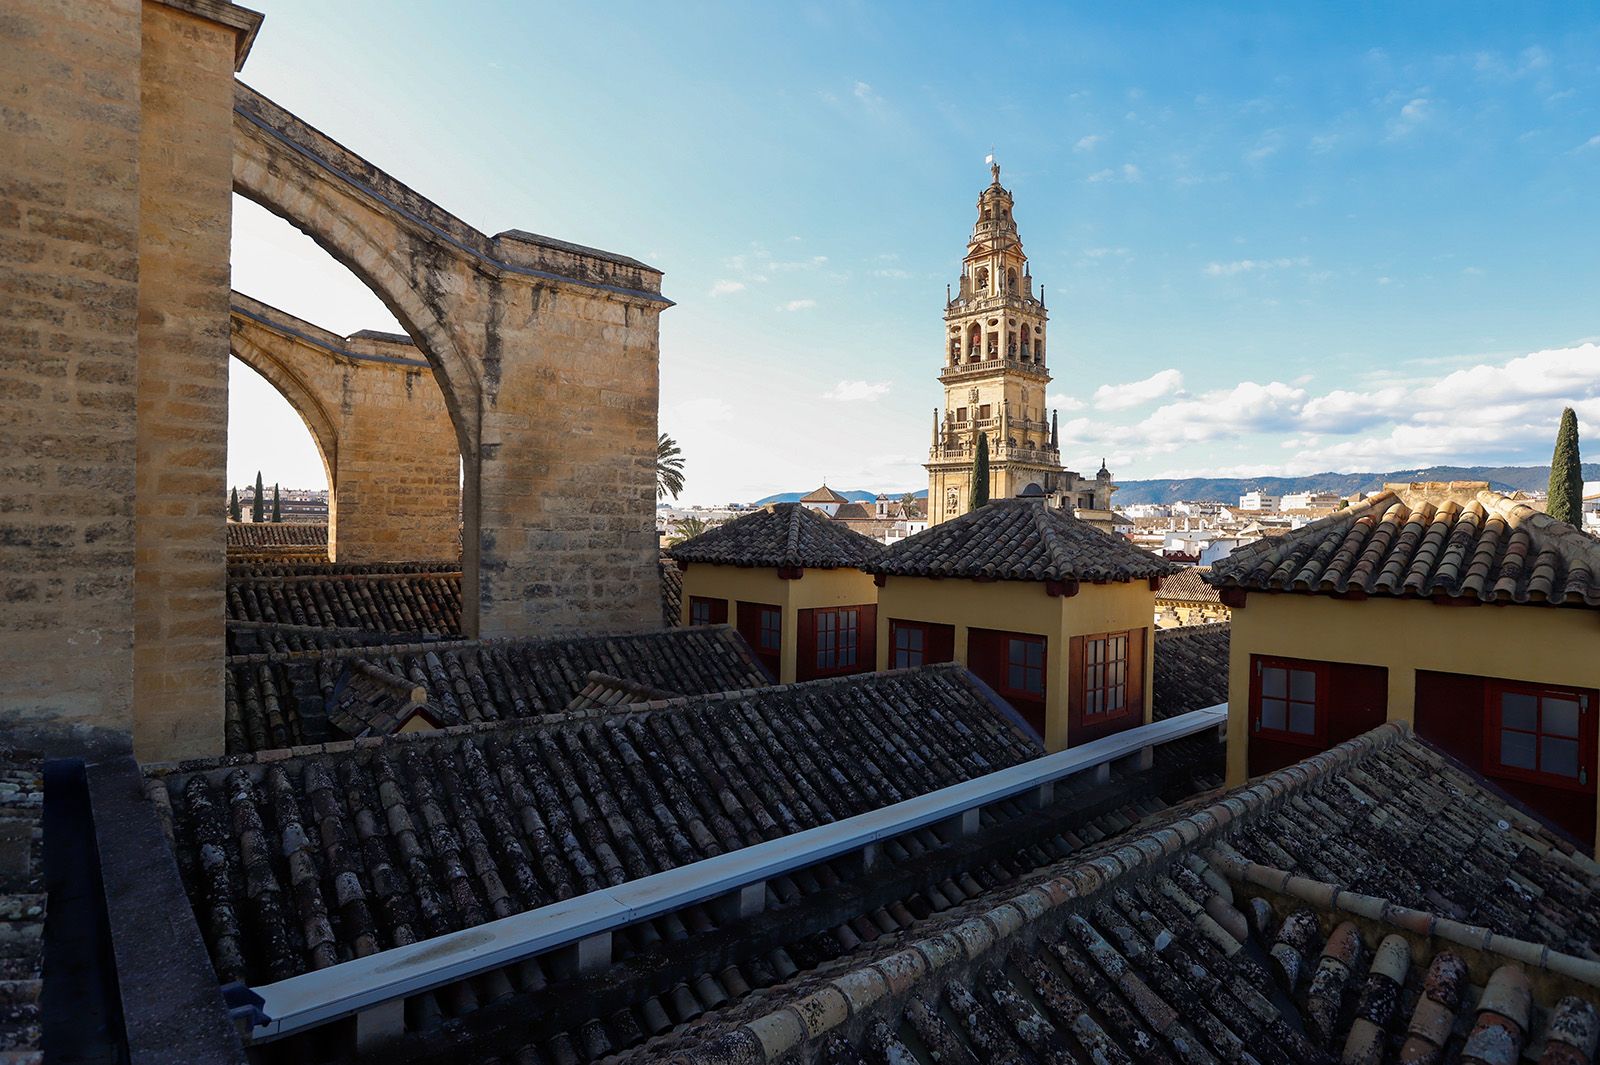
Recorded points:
(1074, 683)
(805, 661)
(941, 643)
(867, 638)
(1136, 640)
(719, 611)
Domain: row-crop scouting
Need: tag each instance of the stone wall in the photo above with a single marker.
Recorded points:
(185, 211)
(69, 209)
(379, 419)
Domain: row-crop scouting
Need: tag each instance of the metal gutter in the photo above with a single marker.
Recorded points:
(373, 987)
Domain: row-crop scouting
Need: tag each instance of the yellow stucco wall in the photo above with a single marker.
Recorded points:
(1549, 645)
(1023, 606)
(815, 588)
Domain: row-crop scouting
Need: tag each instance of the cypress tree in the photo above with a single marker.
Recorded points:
(234, 513)
(980, 473)
(277, 508)
(258, 503)
(1566, 473)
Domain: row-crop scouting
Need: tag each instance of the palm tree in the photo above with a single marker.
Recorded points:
(687, 528)
(669, 468)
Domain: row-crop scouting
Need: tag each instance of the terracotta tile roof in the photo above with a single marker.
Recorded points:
(1191, 669)
(1172, 944)
(296, 862)
(282, 700)
(250, 534)
(602, 690)
(1018, 540)
(1188, 586)
(823, 495)
(822, 916)
(1458, 540)
(671, 592)
(855, 511)
(421, 603)
(780, 535)
(368, 700)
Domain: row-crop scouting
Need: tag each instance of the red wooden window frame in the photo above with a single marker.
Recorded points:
(753, 625)
(1317, 671)
(1540, 730)
(914, 653)
(1012, 643)
(938, 642)
(1107, 660)
(715, 610)
(838, 639)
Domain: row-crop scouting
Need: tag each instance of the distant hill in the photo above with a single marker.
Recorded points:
(858, 495)
(1229, 489)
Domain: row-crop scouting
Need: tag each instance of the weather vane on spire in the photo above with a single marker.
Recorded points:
(994, 167)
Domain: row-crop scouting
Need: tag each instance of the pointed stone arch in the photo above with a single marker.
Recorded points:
(547, 355)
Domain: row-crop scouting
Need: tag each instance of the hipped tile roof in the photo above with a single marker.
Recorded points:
(1188, 585)
(295, 863)
(1457, 540)
(280, 700)
(1177, 944)
(1018, 540)
(780, 535)
(1191, 669)
(823, 495)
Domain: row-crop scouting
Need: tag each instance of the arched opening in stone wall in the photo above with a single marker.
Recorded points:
(292, 452)
(368, 399)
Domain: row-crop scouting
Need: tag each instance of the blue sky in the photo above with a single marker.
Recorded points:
(1273, 238)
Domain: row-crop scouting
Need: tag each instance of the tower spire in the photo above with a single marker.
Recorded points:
(1055, 433)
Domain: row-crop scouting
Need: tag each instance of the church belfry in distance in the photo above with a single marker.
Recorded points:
(995, 382)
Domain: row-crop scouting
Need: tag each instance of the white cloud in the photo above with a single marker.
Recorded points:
(1127, 172)
(857, 391)
(1087, 144)
(1592, 142)
(797, 305)
(1414, 113)
(1488, 413)
(1136, 393)
(1062, 401)
(726, 288)
(1247, 407)
(1250, 266)
(892, 271)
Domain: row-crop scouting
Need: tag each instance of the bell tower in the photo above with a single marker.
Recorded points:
(994, 374)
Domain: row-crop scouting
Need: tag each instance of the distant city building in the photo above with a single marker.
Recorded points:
(1258, 500)
(296, 504)
(1310, 501)
(824, 500)
(995, 383)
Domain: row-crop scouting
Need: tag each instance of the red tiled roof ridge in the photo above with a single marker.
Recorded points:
(1417, 922)
(809, 1017)
(1060, 558)
(1453, 539)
